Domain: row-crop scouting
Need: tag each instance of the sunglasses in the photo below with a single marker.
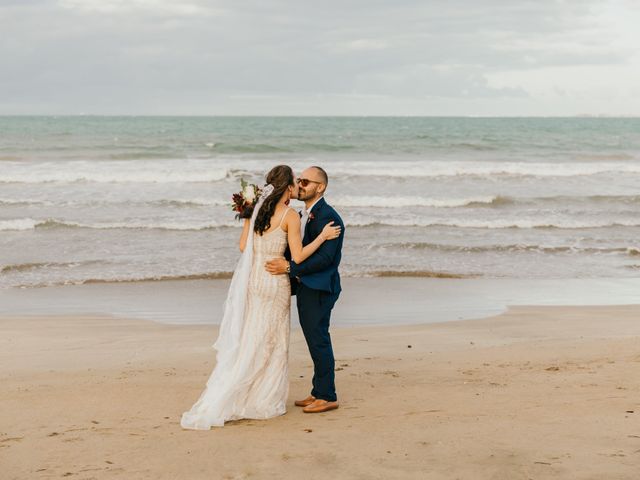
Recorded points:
(305, 181)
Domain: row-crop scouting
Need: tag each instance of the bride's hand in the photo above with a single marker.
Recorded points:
(329, 232)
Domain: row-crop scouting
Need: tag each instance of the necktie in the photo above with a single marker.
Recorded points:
(304, 215)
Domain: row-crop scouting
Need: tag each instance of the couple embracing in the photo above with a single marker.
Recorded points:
(284, 253)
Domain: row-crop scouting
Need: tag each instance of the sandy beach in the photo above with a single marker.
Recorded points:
(534, 393)
(482, 160)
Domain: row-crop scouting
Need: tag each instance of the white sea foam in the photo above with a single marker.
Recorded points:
(18, 224)
(30, 224)
(18, 201)
(494, 224)
(568, 223)
(215, 170)
(140, 171)
(480, 168)
(422, 167)
(398, 202)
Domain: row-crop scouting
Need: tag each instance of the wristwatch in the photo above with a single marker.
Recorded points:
(288, 268)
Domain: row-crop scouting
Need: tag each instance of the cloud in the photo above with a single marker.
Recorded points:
(301, 57)
(133, 7)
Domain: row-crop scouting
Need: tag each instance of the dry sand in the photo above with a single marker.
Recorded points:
(536, 393)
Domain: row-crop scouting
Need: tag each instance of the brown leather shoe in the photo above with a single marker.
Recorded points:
(307, 401)
(320, 405)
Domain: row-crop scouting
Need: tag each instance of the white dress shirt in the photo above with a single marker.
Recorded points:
(305, 217)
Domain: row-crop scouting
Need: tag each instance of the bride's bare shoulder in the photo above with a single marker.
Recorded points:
(290, 216)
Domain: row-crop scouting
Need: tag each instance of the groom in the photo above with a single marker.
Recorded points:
(316, 284)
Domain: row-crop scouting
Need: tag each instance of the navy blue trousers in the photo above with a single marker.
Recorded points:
(314, 310)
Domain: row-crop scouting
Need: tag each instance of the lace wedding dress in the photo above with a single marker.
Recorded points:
(250, 379)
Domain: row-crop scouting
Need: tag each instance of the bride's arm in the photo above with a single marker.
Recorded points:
(299, 253)
(245, 234)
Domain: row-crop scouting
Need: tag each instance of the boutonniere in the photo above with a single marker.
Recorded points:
(311, 217)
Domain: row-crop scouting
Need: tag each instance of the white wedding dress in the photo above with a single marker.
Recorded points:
(250, 379)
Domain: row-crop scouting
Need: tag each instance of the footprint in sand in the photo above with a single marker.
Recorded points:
(73, 439)
(11, 439)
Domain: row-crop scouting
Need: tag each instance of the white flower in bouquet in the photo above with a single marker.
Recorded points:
(249, 193)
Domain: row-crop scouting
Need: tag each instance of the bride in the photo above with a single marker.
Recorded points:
(250, 379)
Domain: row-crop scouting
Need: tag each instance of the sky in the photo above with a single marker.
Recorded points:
(299, 57)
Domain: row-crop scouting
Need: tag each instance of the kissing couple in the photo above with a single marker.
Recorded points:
(284, 253)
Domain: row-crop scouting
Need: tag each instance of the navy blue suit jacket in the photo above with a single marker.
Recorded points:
(320, 270)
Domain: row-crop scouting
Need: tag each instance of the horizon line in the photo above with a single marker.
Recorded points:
(581, 115)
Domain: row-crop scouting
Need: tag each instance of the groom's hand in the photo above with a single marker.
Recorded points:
(277, 266)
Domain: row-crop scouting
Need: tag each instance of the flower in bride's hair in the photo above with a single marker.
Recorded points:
(245, 200)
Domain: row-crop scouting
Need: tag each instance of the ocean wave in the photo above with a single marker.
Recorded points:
(493, 224)
(247, 148)
(258, 148)
(168, 202)
(30, 224)
(604, 156)
(131, 279)
(412, 273)
(480, 201)
(481, 147)
(162, 278)
(483, 169)
(606, 198)
(23, 267)
(338, 201)
(160, 171)
(516, 247)
(347, 201)
(214, 175)
(191, 202)
(216, 170)
(398, 202)
(18, 224)
(228, 275)
(19, 201)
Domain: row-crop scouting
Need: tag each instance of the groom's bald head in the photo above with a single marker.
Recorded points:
(322, 174)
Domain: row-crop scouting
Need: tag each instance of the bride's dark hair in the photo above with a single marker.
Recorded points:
(281, 177)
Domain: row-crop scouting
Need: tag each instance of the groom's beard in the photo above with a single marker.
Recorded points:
(306, 195)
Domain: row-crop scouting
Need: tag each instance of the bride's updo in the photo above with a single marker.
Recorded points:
(281, 177)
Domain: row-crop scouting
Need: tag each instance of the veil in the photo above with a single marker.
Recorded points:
(232, 323)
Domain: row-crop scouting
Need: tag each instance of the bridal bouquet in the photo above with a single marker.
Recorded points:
(245, 199)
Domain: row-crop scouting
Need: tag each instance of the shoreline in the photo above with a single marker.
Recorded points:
(395, 301)
(539, 392)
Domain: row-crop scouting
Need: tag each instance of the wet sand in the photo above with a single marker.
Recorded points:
(534, 393)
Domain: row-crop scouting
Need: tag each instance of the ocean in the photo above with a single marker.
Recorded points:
(87, 199)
